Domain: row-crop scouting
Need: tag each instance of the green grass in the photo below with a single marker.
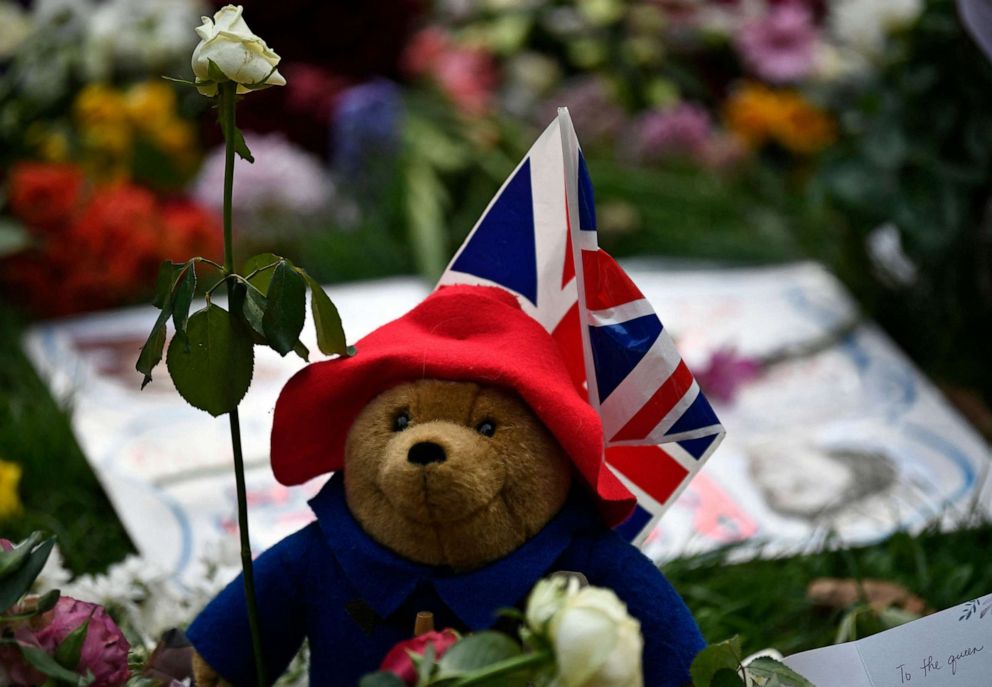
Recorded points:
(764, 601)
(58, 489)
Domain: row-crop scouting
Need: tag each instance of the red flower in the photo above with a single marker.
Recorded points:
(398, 660)
(190, 229)
(468, 76)
(45, 195)
(109, 252)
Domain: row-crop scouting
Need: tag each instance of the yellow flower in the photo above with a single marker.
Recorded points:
(150, 104)
(804, 128)
(175, 137)
(10, 501)
(51, 144)
(752, 112)
(108, 139)
(99, 104)
(758, 114)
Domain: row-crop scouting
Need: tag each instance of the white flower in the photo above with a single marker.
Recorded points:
(138, 36)
(865, 24)
(596, 642)
(546, 599)
(15, 27)
(240, 55)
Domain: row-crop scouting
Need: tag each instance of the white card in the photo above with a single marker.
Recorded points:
(952, 648)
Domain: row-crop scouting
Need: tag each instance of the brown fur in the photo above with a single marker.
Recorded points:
(204, 675)
(485, 500)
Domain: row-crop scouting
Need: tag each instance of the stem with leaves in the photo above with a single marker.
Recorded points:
(228, 124)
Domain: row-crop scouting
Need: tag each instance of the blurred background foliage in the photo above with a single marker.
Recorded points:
(857, 133)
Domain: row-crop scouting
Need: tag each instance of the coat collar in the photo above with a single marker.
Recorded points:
(385, 580)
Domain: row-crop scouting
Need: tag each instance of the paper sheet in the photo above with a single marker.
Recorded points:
(952, 648)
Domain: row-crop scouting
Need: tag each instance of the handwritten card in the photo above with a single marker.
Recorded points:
(952, 648)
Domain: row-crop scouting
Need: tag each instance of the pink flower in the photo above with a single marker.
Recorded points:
(683, 130)
(466, 75)
(398, 661)
(779, 46)
(725, 373)
(104, 652)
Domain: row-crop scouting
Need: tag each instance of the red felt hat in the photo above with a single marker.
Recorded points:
(459, 333)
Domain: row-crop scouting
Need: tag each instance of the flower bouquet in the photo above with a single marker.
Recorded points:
(570, 634)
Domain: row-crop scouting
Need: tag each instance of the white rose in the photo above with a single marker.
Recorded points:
(240, 55)
(596, 642)
(546, 599)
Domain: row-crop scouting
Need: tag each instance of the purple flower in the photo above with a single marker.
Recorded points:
(725, 373)
(366, 128)
(682, 130)
(779, 47)
(286, 178)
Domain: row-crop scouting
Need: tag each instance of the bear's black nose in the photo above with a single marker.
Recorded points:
(426, 452)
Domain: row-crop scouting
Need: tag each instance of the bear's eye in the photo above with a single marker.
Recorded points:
(486, 428)
(401, 421)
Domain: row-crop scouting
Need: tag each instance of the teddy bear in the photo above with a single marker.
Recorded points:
(467, 465)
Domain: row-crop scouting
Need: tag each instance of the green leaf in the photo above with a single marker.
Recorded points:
(46, 664)
(302, 351)
(68, 652)
(167, 273)
(241, 146)
(264, 264)
(16, 584)
(725, 677)
(43, 604)
(211, 365)
(261, 83)
(214, 73)
(151, 352)
(285, 309)
(253, 309)
(425, 664)
(166, 299)
(712, 659)
(11, 560)
(769, 669)
(381, 679)
(47, 601)
(185, 288)
(185, 82)
(13, 237)
(477, 651)
(326, 320)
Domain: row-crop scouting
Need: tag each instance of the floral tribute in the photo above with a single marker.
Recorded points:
(571, 635)
(94, 246)
(52, 639)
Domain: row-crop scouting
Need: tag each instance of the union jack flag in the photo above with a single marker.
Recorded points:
(538, 240)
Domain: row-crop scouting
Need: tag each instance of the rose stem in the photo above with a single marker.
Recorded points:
(227, 96)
